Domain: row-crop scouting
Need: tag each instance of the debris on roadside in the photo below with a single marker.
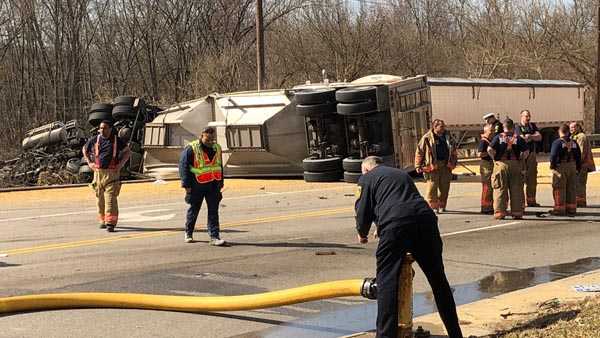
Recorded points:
(549, 304)
(554, 320)
(325, 253)
(159, 182)
(52, 153)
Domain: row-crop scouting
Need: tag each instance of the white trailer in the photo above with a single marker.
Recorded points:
(461, 103)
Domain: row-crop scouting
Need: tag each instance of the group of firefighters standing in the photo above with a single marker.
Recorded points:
(508, 168)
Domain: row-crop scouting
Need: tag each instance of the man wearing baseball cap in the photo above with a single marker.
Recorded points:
(491, 120)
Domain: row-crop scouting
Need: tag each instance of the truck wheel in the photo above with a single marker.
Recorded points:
(98, 116)
(358, 108)
(322, 164)
(124, 100)
(351, 177)
(356, 94)
(101, 107)
(124, 113)
(316, 109)
(73, 165)
(352, 164)
(326, 176)
(135, 147)
(315, 96)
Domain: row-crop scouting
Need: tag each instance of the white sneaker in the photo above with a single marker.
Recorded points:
(188, 239)
(217, 242)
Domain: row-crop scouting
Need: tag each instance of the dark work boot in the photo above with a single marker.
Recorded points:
(110, 228)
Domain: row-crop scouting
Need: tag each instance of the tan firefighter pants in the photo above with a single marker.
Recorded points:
(486, 169)
(107, 186)
(564, 188)
(531, 178)
(581, 188)
(438, 185)
(507, 183)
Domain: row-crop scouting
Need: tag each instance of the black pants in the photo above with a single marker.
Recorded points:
(421, 237)
(211, 192)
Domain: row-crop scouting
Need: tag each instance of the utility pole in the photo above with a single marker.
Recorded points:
(597, 100)
(260, 46)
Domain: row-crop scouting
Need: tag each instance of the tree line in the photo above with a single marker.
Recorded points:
(57, 57)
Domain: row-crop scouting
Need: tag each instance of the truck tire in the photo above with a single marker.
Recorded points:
(98, 116)
(124, 100)
(316, 109)
(356, 94)
(101, 107)
(85, 169)
(320, 165)
(123, 113)
(327, 176)
(351, 177)
(315, 96)
(352, 164)
(135, 162)
(358, 108)
(73, 165)
(135, 147)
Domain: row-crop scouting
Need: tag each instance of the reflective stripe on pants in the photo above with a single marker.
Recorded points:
(507, 183)
(107, 186)
(438, 185)
(564, 189)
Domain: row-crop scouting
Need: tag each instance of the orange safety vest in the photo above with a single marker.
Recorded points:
(113, 162)
(206, 170)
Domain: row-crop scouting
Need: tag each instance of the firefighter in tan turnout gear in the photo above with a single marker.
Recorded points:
(486, 167)
(530, 133)
(565, 163)
(587, 161)
(507, 149)
(436, 158)
(106, 154)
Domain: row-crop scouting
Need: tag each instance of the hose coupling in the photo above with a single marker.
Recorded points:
(369, 288)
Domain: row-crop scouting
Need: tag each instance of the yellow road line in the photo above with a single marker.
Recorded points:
(76, 244)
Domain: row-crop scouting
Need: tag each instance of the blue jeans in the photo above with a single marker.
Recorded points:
(211, 192)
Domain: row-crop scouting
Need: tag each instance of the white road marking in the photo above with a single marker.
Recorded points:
(479, 229)
(149, 206)
(301, 309)
(139, 216)
(344, 302)
(296, 238)
(191, 293)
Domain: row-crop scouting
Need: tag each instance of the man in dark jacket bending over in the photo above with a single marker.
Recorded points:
(405, 223)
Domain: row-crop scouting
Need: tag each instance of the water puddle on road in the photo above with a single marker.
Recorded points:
(352, 319)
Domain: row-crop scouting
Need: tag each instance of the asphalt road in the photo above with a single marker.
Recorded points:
(282, 234)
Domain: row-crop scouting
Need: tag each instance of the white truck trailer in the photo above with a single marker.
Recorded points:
(461, 103)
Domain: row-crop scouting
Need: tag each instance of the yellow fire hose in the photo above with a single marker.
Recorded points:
(343, 288)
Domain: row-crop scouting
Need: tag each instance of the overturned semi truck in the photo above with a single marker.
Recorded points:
(321, 131)
(260, 134)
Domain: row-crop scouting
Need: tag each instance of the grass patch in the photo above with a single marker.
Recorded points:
(570, 320)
